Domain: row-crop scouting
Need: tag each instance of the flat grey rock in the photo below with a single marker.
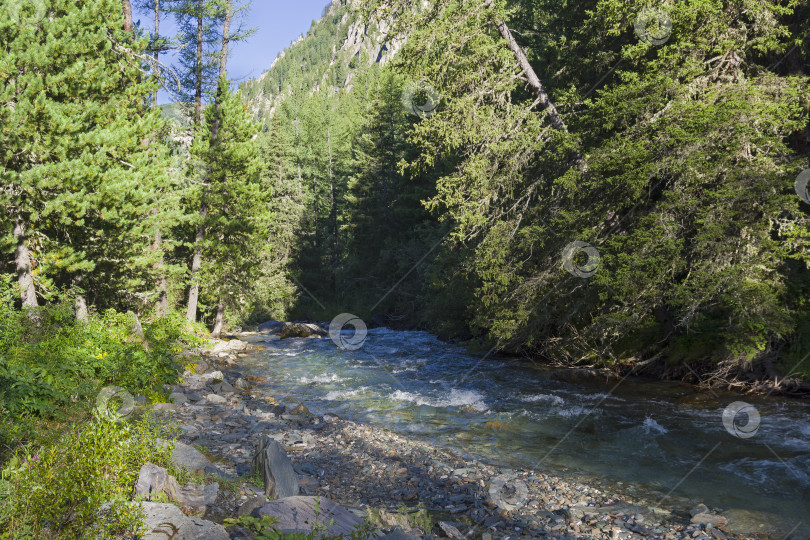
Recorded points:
(189, 458)
(233, 345)
(191, 496)
(162, 520)
(213, 470)
(200, 529)
(167, 522)
(398, 534)
(178, 397)
(302, 330)
(298, 514)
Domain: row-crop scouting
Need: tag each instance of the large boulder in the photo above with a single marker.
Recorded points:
(275, 468)
(230, 346)
(271, 327)
(302, 330)
(189, 458)
(297, 514)
(153, 480)
(167, 522)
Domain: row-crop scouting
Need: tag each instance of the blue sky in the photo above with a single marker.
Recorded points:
(278, 22)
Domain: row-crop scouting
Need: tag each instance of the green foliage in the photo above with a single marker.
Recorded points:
(45, 367)
(59, 491)
(677, 164)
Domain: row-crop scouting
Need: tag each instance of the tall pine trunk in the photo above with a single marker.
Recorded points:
(196, 264)
(531, 76)
(160, 267)
(332, 213)
(126, 8)
(199, 238)
(157, 42)
(25, 271)
(298, 155)
(219, 321)
(198, 65)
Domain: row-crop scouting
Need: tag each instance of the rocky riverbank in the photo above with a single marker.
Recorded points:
(395, 483)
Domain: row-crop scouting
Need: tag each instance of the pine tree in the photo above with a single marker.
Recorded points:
(80, 152)
(237, 211)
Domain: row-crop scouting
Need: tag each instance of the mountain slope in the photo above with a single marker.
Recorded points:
(334, 48)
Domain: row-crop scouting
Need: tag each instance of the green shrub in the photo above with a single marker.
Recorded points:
(81, 486)
(48, 365)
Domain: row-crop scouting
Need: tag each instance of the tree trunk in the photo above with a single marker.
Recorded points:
(528, 71)
(81, 308)
(25, 271)
(126, 7)
(223, 64)
(198, 75)
(226, 37)
(196, 264)
(219, 321)
(160, 268)
(80, 305)
(157, 42)
(332, 213)
(298, 156)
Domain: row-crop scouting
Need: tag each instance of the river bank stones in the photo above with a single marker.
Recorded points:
(367, 469)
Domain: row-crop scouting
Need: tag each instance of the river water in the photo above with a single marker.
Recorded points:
(662, 441)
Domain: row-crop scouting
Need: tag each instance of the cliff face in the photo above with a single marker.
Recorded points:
(330, 54)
